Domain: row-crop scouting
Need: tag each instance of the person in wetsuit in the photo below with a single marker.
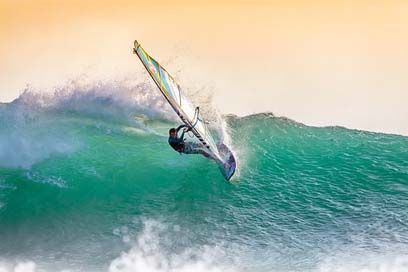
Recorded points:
(180, 145)
(177, 143)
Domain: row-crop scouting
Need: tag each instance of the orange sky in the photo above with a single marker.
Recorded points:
(319, 62)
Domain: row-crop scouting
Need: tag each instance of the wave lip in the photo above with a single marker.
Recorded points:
(36, 126)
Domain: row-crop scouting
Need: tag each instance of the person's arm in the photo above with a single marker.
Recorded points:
(181, 138)
(180, 127)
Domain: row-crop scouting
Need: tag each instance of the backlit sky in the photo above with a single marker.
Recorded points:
(319, 62)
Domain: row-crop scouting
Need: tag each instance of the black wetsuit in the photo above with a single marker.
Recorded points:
(178, 143)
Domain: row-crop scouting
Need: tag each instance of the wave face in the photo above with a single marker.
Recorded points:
(88, 183)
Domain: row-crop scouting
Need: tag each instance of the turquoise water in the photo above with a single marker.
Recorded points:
(84, 186)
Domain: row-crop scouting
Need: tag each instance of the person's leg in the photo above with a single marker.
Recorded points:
(195, 148)
(190, 148)
(200, 149)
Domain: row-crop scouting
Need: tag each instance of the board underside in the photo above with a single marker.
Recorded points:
(228, 164)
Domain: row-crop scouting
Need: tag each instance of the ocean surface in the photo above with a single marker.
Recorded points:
(89, 183)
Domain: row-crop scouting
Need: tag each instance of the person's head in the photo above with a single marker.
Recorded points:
(173, 133)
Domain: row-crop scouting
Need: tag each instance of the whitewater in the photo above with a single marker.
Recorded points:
(89, 183)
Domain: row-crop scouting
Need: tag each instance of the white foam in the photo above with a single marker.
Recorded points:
(364, 262)
(27, 266)
(53, 180)
(147, 254)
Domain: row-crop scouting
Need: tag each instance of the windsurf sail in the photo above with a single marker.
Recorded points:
(189, 114)
(172, 92)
